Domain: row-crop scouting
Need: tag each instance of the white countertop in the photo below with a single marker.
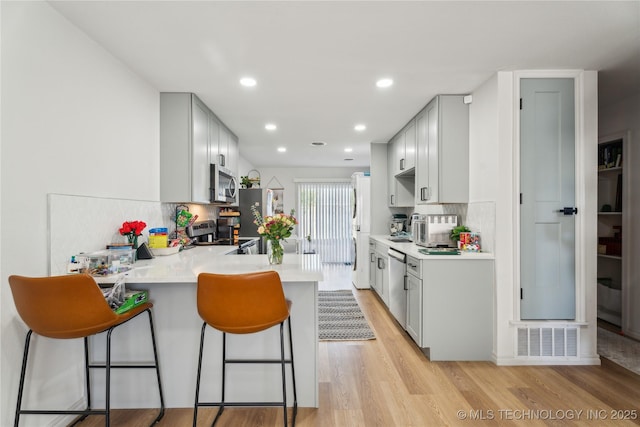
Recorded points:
(411, 249)
(185, 266)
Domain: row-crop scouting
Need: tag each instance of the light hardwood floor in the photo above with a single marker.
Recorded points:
(388, 382)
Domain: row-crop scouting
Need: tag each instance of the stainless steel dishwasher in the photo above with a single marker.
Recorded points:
(398, 286)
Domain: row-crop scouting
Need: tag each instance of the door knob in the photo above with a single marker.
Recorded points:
(568, 211)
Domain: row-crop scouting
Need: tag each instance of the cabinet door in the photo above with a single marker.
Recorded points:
(414, 308)
(398, 149)
(382, 277)
(422, 158)
(214, 139)
(391, 179)
(409, 146)
(223, 147)
(382, 281)
(200, 152)
(452, 150)
(433, 151)
(372, 270)
(232, 155)
(372, 263)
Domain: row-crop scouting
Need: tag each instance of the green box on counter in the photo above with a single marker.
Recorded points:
(132, 299)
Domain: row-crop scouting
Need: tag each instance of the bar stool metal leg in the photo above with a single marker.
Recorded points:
(284, 379)
(155, 356)
(293, 376)
(22, 375)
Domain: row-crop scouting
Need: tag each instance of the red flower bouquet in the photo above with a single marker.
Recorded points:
(132, 229)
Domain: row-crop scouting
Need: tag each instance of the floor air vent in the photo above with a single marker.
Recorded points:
(547, 342)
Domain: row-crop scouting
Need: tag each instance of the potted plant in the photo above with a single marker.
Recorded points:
(245, 182)
(455, 233)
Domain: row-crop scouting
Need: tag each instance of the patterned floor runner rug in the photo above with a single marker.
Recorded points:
(340, 318)
(623, 351)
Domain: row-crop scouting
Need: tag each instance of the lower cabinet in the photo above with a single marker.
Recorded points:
(414, 300)
(372, 265)
(382, 277)
(378, 270)
(457, 309)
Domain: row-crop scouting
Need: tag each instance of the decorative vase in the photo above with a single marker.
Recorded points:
(275, 251)
(133, 240)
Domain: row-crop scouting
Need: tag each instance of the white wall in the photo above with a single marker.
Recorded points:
(286, 177)
(621, 116)
(75, 120)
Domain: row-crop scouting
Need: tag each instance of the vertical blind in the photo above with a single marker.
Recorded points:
(324, 216)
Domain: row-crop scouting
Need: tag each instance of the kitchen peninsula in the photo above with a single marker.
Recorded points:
(171, 282)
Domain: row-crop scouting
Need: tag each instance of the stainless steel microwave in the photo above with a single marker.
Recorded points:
(224, 186)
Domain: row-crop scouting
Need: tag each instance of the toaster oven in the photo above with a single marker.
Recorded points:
(434, 230)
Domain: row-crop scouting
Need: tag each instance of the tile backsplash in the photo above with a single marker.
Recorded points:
(480, 217)
(87, 224)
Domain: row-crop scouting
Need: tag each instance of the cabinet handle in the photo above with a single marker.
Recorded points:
(425, 194)
(391, 201)
(401, 164)
(221, 159)
(412, 265)
(372, 257)
(405, 283)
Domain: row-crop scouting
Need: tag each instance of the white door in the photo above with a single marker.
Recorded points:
(547, 187)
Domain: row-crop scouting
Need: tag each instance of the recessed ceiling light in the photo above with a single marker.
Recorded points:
(348, 160)
(270, 126)
(248, 81)
(282, 149)
(318, 143)
(386, 82)
(348, 150)
(359, 127)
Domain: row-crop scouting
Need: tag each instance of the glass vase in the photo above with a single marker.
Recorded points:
(275, 251)
(133, 240)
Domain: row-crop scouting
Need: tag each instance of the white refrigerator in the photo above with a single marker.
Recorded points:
(361, 227)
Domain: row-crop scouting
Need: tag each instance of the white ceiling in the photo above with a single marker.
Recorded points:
(316, 63)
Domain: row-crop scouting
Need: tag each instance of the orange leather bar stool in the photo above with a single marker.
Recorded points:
(244, 304)
(67, 307)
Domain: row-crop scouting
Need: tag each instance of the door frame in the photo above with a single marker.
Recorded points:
(582, 255)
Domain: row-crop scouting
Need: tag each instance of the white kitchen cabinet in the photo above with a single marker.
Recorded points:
(184, 148)
(401, 188)
(442, 169)
(457, 309)
(224, 145)
(403, 158)
(191, 138)
(372, 265)
(392, 154)
(414, 300)
(408, 161)
(381, 284)
(227, 149)
(214, 139)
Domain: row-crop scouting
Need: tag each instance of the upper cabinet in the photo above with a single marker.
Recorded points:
(408, 162)
(191, 138)
(442, 170)
(401, 187)
(228, 149)
(404, 150)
